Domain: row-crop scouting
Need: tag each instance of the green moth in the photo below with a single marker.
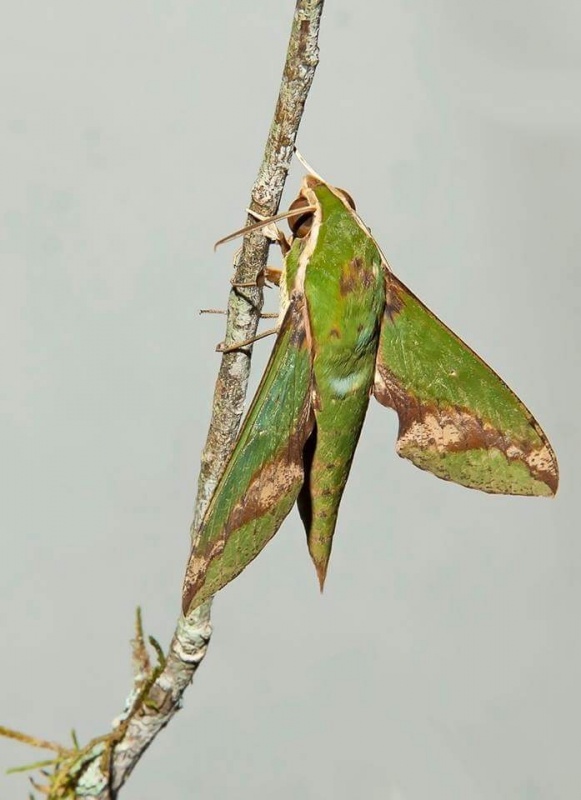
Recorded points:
(350, 329)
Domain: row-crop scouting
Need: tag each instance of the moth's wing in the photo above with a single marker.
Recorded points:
(264, 473)
(457, 418)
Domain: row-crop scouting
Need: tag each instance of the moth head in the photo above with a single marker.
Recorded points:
(301, 224)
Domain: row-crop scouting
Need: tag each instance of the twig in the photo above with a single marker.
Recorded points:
(139, 726)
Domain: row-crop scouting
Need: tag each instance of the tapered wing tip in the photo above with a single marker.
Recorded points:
(320, 558)
(321, 570)
(553, 483)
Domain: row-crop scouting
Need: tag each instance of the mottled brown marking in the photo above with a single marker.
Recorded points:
(347, 284)
(367, 278)
(452, 429)
(393, 302)
(335, 333)
(350, 277)
(266, 486)
(275, 478)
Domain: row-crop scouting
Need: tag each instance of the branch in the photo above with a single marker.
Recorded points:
(244, 308)
(107, 763)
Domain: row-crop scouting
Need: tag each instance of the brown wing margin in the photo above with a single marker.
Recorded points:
(458, 419)
(265, 472)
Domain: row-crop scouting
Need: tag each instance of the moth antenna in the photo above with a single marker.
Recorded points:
(307, 166)
(297, 212)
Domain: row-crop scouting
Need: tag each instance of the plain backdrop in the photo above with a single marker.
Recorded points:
(443, 659)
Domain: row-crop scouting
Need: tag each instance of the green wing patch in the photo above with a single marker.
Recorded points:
(265, 471)
(457, 418)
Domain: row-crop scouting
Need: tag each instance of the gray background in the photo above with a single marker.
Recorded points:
(443, 660)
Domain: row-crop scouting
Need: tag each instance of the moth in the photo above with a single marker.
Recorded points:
(349, 330)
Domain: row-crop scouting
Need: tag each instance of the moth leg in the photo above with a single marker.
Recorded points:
(272, 275)
(272, 232)
(223, 348)
(264, 277)
(222, 311)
